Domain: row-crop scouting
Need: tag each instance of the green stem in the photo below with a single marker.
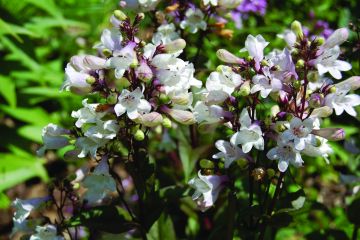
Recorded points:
(231, 215)
(272, 205)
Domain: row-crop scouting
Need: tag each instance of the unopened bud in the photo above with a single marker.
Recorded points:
(134, 64)
(166, 122)
(320, 41)
(245, 89)
(107, 52)
(140, 16)
(94, 62)
(90, 80)
(280, 127)
(242, 163)
(228, 57)
(206, 164)
(120, 15)
(316, 100)
(142, 43)
(313, 76)
(139, 135)
(270, 172)
(332, 134)
(76, 185)
(112, 98)
(175, 46)
(151, 119)
(144, 72)
(264, 62)
(300, 63)
(332, 89)
(297, 29)
(164, 98)
(182, 116)
(122, 83)
(297, 84)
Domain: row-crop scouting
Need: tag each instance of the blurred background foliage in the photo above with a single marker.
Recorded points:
(37, 39)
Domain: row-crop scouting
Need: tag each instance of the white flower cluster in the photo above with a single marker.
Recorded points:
(293, 80)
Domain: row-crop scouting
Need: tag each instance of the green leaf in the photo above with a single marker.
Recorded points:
(4, 201)
(17, 169)
(163, 228)
(7, 90)
(31, 132)
(36, 116)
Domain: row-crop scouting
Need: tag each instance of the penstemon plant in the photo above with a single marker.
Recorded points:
(268, 111)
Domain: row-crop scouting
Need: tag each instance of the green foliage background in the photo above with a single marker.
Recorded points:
(38, 37)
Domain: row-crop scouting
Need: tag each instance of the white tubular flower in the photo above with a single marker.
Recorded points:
(23, 208)
(286, 153)
(47, 232)
(318, 146)
(103, 130)
(99, 183)
(87, 114)
(165, 33)
(78, 73)
(212, 2)
(338, 37)
(148, 5)
(255, 46)
(207, 189)
(132, 103)
(181, 116)
(221, 84)
(95, 137)
(53, 138)
(249, 136)
(341, 101)
(228, 151)
(208, 114)
(289, 37)
(284, 62)
(111, 40)
(327, 62)
(175, 74)
(123, 59)
(194, 20)
(298, 132)
(229, 4)
(265, 83)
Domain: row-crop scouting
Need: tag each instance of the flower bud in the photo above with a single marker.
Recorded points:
(228, 57)
(90, 80)
(181, 99)
(264, 62)
(270, 172)
(139, 135)
(94, 62)
(120, 15)
(297, 84)
(144, 72)
(107, 52)
(207, 164)
(338, 37)
(112, 98)
(166, 122)
(151, 119)
(300, 63)
(297, 29)
(181, 116)
(332, 89)
(242, 163)
(122, 83)
(332, 134)
(313, 76)
(316, 100)
(245, 89)
(140, 16)
(322, 112)
(320, 41)
(175, 46)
